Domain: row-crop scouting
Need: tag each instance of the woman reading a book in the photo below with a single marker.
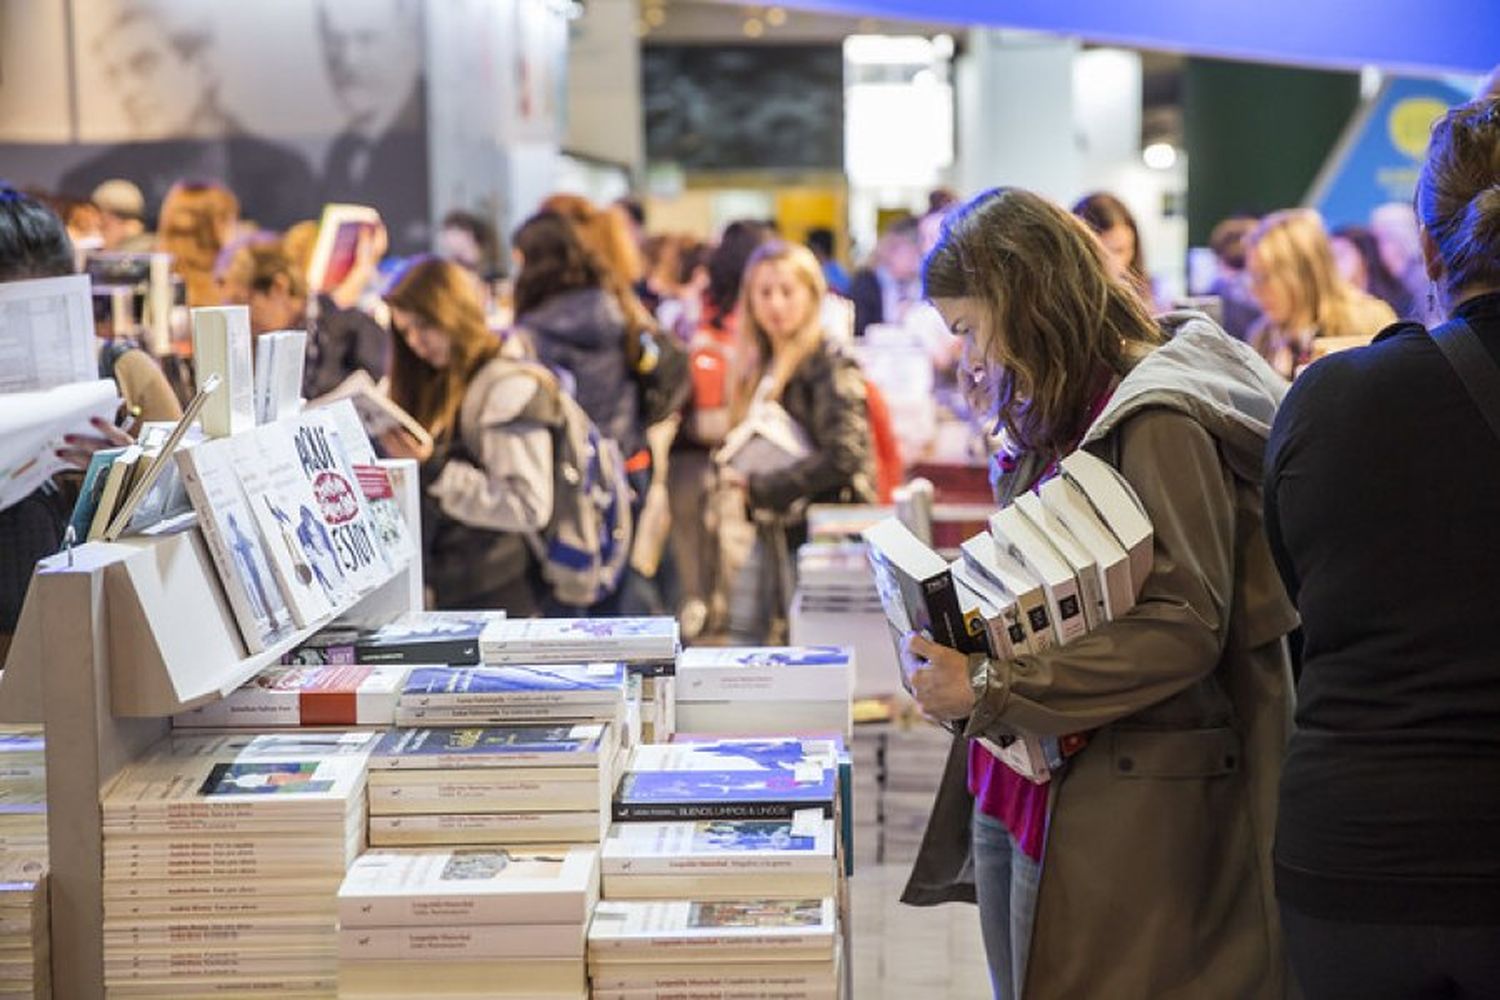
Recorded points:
(1142, 868)
(788, 371)
(487, 480)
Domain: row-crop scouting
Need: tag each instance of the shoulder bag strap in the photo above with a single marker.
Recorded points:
(1475, 366)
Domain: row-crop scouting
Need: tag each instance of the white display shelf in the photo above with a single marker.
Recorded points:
(114, 638)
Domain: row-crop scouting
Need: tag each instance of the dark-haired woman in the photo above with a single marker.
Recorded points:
(1383, 505)
(1142, 869)
(1116, 228)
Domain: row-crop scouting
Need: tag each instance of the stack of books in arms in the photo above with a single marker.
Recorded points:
(510, 785)
(765, 690)
(648, 648)
(222, 861)
(785, 948)
(1053, 566)
(467, 923)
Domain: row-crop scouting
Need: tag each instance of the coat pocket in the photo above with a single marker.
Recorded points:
(1174, 753)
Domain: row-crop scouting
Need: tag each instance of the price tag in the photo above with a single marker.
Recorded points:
(808, 773)
(602, 669)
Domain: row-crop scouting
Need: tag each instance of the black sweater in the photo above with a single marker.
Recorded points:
(1383, 509)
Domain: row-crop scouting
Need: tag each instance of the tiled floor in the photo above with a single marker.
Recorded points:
(909, 953)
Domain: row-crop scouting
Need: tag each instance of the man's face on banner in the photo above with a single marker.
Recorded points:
(159, 86)
(374, 53)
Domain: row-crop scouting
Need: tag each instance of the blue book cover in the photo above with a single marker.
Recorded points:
(489, 741)
(647, 795)
(88, 494)
(479, 682)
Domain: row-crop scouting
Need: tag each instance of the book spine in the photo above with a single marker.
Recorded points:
(948, 623)
(708, 866)
(245, 708)
(591, 699)
(629, 812)
(415, 909)
(440, 944)
(491, 762)
(452, 652)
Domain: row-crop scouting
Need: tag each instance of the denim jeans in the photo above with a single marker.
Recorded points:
(1006, 881)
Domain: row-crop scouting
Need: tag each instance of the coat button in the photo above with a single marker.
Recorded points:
(1126, 764)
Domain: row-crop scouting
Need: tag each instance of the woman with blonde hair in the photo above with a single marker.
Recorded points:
(1294, 277)
(1142, 868)
(488, 478)
(197, 220)
(786, 362)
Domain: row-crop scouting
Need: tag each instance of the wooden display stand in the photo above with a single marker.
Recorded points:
(114, 639)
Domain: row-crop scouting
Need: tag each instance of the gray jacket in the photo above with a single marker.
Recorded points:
(1157, 878)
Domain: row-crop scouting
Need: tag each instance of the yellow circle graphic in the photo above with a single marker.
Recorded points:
(1410, 124)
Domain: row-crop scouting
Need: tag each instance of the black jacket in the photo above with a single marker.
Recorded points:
(826, 396)
(1383, 510)
(582, 333)
(868, 299)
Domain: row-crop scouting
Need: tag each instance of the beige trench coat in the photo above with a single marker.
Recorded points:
(1156, 882)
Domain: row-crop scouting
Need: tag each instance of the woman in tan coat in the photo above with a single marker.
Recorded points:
(1142, 870)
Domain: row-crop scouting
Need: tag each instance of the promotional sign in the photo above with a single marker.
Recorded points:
(1381, 153)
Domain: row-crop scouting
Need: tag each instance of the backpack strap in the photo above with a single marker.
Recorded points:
(1475, 366)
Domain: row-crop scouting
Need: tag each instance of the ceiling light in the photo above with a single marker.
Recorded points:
(754, 27)
(1160, 156)
(776, 16)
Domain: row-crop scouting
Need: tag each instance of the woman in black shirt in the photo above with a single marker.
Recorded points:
(1383, 508)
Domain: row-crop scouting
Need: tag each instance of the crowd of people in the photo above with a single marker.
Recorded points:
(1357, 506)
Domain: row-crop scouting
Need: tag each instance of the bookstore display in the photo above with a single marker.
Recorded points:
(292, 780)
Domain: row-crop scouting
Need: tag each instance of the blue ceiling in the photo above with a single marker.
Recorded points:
(1413, 36)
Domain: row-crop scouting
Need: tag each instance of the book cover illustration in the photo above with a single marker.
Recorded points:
(760, 755)
(265, 778)
(759, 914)
(582, 630)
(350, 529)
(559, 740)
(602, 677)
(374, 482)
(235, 541)
(295, 534)
(749, 835)
(474, 866)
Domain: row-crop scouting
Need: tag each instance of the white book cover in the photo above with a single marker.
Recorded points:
(374, 481)
(292, 524)
(572, 640)
(221, 346)
(1017, 538)
(279, 359)
(47, 334)
(1118, 508)
(721, 847)
(233, 536)
(332, 695)
(766, 673)
(301, 744)
(741, 929)
(1079, 559)
(352, 535)
(1000, 570)
(1063, 498)
(467, 887)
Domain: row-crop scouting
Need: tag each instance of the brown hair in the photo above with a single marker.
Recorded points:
(298, 243)
(1229, 238)
(605, 233)
(442, 294)
(1103, 212)
(1458, 195)
(1292, 247)
(757, 356)
(553, 261)
(197, 219)
(1057, 324)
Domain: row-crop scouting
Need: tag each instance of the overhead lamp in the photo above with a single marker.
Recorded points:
(1160, 156)
(754, 27)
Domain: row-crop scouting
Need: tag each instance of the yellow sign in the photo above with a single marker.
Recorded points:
(1410, 124)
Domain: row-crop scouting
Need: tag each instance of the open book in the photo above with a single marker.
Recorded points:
(375, 409)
